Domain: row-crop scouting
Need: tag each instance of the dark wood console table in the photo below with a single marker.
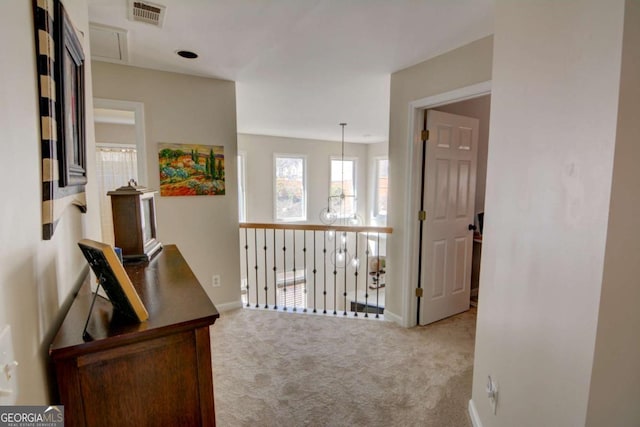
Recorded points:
(153, 373)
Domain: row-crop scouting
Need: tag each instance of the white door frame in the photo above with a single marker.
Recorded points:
(412, 184)
(141, 146)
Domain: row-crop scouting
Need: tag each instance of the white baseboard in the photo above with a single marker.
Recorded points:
(392, 317)
(228, 306)
(473, 414)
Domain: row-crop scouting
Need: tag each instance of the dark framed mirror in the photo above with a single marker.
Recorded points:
(71, 145)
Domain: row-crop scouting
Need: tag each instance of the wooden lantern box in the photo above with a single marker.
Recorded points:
(134, 221)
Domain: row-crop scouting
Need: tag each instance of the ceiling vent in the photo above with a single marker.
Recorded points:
(144, 11)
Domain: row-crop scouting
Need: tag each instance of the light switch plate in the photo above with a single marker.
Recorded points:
(8, 369)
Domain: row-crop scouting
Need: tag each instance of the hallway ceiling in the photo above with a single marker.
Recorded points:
(301, 66)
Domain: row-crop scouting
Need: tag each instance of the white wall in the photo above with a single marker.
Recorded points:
(188, 109)
(556, 75)
(114, 133)
(260, 151)
(615, 381)
(465, 66)
(36, 276)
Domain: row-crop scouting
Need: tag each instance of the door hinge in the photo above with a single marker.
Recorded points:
(424, 135)
(419, 292)
(422, 216)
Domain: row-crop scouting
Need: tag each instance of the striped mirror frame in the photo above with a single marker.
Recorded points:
(56, 194)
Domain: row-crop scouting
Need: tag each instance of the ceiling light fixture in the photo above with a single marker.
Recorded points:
(337, 203)
(337, 210)
(187, 54)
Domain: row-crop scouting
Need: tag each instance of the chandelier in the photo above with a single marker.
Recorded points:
(337, 204)
(337, 212)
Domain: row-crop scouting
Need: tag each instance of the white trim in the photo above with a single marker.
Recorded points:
(228, 306)
(378, 219)
(242, 185)
(409, 257)
(392, 317)
(456, 95)
(115, 145)
(300, 312)
(473, 414)
(114, 117)
(141, 144)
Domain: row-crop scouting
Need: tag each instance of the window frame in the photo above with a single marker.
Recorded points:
(376, 194)
(242, 186)
(302, 157)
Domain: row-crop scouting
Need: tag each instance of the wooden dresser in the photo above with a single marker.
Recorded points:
(149, 374)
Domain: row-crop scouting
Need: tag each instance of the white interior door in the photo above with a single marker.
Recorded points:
(449, 196)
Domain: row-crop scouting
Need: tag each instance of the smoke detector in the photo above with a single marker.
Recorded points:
(147, 12)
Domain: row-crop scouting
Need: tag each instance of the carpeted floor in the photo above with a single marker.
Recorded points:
(282, 369)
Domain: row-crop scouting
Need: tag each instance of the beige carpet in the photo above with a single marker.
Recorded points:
(283, 369)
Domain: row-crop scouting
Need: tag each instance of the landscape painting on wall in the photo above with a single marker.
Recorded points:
(191, 169)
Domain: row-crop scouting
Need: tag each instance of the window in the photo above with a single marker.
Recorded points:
(242, 197)
(292, 296)
(290, 188)
(382, 188)
(291, 291)
(116, 165)
(343, 181)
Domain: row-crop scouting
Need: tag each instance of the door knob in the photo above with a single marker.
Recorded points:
(472, 227)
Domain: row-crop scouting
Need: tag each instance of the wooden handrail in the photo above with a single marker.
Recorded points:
(318, 227)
